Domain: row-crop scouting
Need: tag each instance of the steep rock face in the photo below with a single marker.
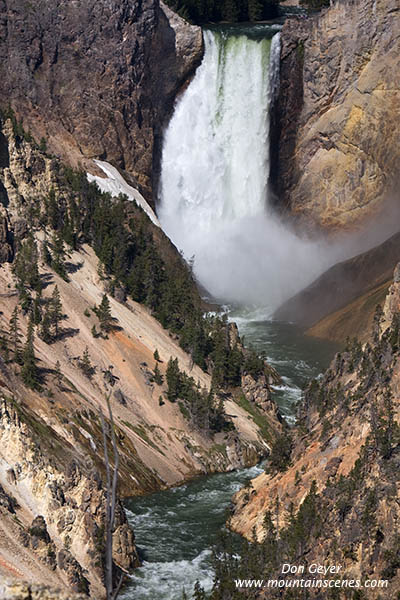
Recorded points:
(337, 503)
(338, 112)
(342, 284)
(50, 482)
(96, 79)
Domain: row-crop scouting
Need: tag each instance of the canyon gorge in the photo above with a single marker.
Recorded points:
(199, 227)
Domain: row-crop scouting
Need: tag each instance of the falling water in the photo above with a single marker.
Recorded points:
(214, 181)
(215, 169)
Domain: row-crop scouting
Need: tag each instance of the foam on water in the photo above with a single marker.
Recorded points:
(175, 530)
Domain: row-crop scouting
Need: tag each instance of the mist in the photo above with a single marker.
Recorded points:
(214, 193)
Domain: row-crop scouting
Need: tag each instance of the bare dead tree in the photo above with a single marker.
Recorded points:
(112, 589)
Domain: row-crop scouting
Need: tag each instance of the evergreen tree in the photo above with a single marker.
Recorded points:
(14, 336)
(158, 378)
(104, 314)
(29, 370)
(85, 364)
(45, 327)
(4, 344)
(57, 373)
(58, 258)
(26, 267)
(56, 313)
(173, 378)
(199, 593)
(230, 11)
(46, 256)
(255, 8)
(156, 356)
(53, 210)
(37, 308)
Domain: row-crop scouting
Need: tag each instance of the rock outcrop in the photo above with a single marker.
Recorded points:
(65, 537)
(26, 591)
(337, 503)
(336, 125)
(96, 79)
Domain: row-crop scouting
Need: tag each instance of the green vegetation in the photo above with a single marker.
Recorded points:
(18, 129)
(85, 364)
(103, 312)
(232, 11)
(196, 404)
(158, 378)
(281, 450)
(314, 4)
(258, 418)
(50, 318)
(29, 369)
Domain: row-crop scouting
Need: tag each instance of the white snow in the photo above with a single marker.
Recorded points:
(115, 184)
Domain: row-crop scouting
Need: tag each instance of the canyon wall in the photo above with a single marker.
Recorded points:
(51, 445)
(337, 155)
(95, 78)
(337, 499)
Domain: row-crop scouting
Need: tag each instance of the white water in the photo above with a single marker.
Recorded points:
(215, 168)
(214, 195)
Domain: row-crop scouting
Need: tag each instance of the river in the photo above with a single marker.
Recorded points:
(214, 205)
(176, 529)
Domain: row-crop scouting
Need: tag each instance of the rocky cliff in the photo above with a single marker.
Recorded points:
(96, 79)
(337, 503)
(337, 156)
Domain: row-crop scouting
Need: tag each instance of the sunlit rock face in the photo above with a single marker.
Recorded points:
(337, 116)
(96, 79)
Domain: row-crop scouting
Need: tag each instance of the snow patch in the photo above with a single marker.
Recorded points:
(115, 184)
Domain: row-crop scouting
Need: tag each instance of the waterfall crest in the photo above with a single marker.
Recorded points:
(213, 200)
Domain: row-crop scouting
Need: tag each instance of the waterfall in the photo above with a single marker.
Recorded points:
(213, 201)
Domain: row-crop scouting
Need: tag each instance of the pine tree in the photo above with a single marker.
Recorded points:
(55, 310)
(58, 258)
(26, 267)
(29, 370)
(255, 10)
(46, 256)
(45, 327)
(156, 356)
(199, 593)
(158, 378)
(37, 309)
(14, 336)
(230, 11)
(85, 364)
(4, 344)
(173, 377)
(104, 314)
